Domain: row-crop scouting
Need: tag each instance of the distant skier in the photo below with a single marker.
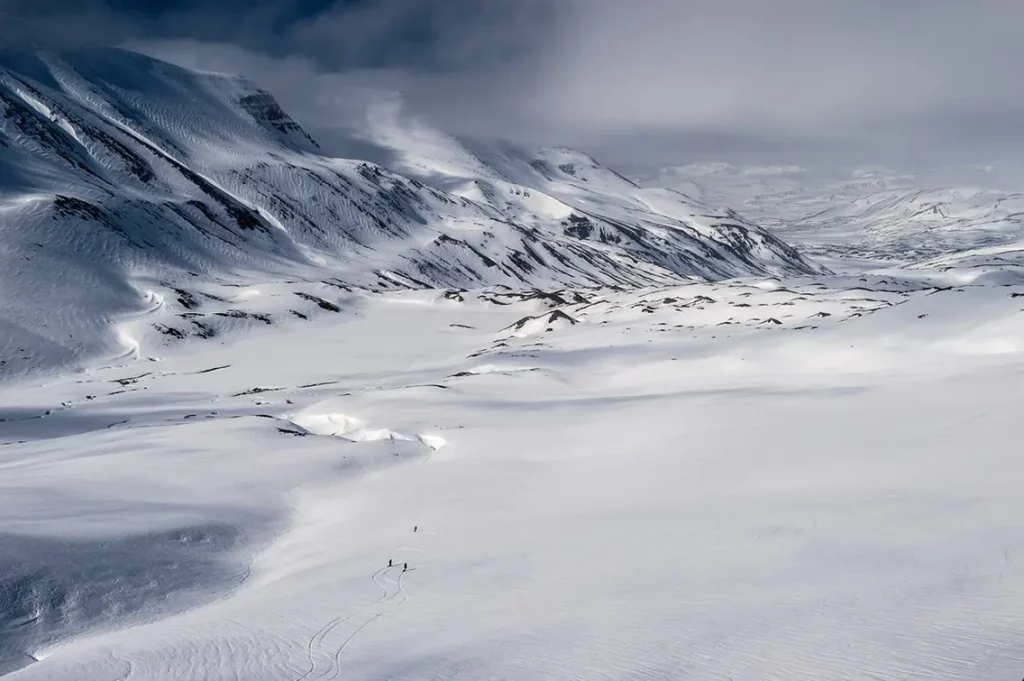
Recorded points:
(389, 563)
(405, 566)
(415, 527)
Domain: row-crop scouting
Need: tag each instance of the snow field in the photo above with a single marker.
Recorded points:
(615, 500)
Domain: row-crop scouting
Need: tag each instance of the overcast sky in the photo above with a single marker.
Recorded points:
(651, 82)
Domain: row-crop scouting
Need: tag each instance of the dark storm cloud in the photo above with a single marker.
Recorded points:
(453, 61)
(642, 80)
(332, 34)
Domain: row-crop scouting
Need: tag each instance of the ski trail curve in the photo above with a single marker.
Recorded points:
(316, 641)
(400, 591)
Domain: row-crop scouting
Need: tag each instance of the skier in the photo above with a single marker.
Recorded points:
(405, 566)
(415, 527)
(389, 562)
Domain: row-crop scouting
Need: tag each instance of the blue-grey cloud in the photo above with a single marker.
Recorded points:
(893, 76)
(420, 35)
(643, 81)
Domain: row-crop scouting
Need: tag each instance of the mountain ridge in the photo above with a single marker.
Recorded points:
(120, 173)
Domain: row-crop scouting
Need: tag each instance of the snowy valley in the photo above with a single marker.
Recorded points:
(126, 174)
(485, 412)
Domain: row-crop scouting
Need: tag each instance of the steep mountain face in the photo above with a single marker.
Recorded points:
(119, 173)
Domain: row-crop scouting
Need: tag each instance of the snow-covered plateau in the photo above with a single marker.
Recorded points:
(480, 413)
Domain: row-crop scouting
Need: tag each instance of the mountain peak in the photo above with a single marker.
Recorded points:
(117, 167)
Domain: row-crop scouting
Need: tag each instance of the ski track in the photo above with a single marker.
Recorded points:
(347, 641)
(317, 640)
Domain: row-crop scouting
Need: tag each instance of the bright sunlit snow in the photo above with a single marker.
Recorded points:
(679, 450)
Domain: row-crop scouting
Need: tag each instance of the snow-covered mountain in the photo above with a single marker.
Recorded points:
(120, 174)
(589, 466)
(876, 212)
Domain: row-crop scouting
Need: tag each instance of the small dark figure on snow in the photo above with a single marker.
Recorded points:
(415, 527)
(389, 562)
(405, 566)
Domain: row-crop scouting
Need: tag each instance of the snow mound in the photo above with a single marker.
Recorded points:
(355, 430)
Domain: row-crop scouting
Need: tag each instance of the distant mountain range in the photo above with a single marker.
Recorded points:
(875, 212)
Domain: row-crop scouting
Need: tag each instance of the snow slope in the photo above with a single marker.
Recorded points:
(761, 479)
(125, 174)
